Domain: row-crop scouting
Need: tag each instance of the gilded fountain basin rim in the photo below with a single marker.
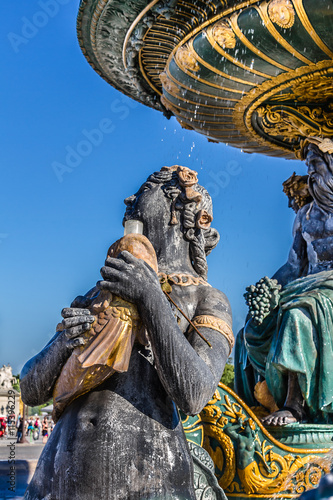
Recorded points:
(255, 75)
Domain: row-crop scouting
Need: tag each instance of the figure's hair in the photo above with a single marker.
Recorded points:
(297, 190)
(202, 241)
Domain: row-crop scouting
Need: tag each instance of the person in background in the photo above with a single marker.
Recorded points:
(30, 426)
(2, 427)
(19, 426)
(37, 426)
(45, 430)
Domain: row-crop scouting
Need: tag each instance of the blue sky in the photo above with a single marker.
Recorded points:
(55, 227)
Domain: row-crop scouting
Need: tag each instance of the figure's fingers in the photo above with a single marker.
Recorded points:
(76, 342)
(149, 268)
(266, 420)
(115, 263)
(127, 257)
(112, 286)
(107, 285)
(111, 274)
(131, 260)
(68, 312)
(77, 320)
(77, 330)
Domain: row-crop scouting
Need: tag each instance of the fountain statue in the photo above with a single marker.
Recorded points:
(6, 377)
(256, 75)
(277, 440)
(287, 338)
(122, 437)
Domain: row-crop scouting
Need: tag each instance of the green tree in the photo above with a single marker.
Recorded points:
(17, 385)
(228, 376)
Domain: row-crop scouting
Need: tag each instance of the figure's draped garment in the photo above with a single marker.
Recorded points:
(298, 337)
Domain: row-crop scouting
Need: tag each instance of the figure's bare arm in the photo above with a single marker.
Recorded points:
(40, 373)
(188, 369)
(297, 260)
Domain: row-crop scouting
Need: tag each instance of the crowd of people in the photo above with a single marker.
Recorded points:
(33, 427)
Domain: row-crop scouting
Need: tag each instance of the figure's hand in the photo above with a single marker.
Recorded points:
(76, 322)
(262, 298)
(129, 278)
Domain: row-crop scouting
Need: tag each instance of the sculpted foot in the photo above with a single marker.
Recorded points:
(286, 415)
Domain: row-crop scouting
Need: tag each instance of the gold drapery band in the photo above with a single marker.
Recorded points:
(215, 324)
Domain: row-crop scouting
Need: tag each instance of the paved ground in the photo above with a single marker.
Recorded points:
(29, 451)
(24, 460)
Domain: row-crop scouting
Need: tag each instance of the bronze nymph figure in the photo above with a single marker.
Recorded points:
(124, 439)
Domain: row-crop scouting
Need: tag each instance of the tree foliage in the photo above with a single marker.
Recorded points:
(228, 375)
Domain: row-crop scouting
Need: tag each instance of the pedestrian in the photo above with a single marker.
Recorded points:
(45, 430)
(30, 427)
(37, 427)
(19, 429)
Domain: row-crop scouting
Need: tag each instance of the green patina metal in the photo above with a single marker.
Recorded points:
(287, 342)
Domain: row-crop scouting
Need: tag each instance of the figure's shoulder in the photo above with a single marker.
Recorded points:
(302, 217)
(213, 302)
(303, 213)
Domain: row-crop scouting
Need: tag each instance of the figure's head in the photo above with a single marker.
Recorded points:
(173, 197)
(320, 170)
(297, 190)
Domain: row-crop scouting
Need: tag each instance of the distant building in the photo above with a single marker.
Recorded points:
(9, 397)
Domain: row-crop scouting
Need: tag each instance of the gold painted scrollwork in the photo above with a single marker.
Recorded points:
(249, 462)
(292, 126)
(224, 456)
(306, 121)
(282, 13)
(319, 89)
(224, 35)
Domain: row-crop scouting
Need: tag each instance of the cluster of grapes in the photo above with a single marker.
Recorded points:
(262, 298)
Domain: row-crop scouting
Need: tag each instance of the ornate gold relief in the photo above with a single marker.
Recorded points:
(310, 89)
(292, 124)
(224, 35)
(282, 13)
(249, 461)
(300, 121)
(318, 89)
(185, 57)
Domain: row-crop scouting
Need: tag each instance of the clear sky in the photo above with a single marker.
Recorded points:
(55, 228)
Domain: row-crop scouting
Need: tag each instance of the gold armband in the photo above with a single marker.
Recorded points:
(215, 324)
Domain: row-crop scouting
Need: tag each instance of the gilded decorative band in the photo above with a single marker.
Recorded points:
(182, 279)
(215, 324)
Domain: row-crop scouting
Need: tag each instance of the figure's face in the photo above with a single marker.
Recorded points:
(318, 170)
(149, 205)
